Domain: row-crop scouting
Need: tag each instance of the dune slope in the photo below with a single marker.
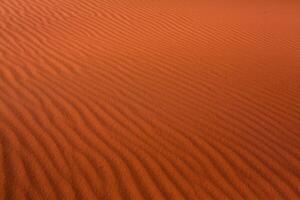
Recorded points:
(145, 99)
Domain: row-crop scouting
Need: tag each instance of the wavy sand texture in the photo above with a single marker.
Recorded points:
(144, 99)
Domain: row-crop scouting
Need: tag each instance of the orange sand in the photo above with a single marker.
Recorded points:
(141, 99)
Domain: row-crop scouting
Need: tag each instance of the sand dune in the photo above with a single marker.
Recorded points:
(149, 100)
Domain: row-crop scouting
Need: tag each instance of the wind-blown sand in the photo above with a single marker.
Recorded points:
(140, 99)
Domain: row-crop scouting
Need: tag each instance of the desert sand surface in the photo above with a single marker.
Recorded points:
(142, 99)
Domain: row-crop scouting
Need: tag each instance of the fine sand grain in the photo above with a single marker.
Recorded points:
(147, 99)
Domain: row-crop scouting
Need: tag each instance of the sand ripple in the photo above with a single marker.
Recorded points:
(149, 100)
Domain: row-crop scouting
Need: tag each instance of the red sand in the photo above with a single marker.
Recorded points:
(145, 99)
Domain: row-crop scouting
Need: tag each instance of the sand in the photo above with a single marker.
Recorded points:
(144, 99)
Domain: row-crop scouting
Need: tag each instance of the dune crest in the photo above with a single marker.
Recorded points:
(149, 100)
